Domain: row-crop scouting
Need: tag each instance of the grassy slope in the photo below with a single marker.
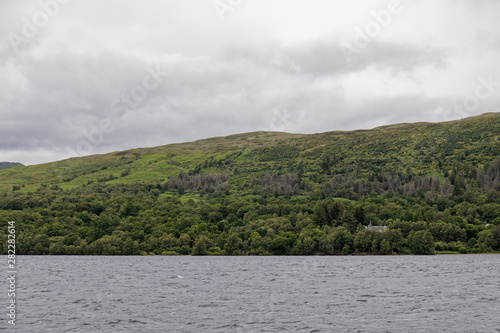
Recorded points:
(146, 164)
(415, 145)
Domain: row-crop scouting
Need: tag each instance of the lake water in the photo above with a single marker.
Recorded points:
(458, 293)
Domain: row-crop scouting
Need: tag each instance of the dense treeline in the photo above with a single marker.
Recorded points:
(149, 219)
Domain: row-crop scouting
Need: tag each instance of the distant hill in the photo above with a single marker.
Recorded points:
(435, 186)
(426, 148)
(4, 165)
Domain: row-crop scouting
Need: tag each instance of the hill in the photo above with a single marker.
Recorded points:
(4, 165)
(420, 146)
(142, 164)
(434, 185)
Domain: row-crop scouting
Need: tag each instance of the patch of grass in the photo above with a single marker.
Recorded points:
(447, 252)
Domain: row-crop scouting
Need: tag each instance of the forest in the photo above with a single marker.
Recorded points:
(436, 187)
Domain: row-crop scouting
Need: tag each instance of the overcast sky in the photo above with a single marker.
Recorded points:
(84, 77)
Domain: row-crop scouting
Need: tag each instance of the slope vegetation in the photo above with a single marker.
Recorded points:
(434, 185)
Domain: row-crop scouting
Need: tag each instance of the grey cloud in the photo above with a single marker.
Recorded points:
(200, 97)
(325, 57)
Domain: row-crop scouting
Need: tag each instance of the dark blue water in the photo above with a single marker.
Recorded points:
(459, 293)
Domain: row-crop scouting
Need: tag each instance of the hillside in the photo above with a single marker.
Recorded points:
(420, 146)
(4, 165)
(431, 183)
(142, 164)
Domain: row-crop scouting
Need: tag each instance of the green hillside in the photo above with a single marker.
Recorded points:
(434, 185)
(143, 164)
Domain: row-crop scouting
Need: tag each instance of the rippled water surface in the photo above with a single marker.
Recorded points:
(459, 293)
